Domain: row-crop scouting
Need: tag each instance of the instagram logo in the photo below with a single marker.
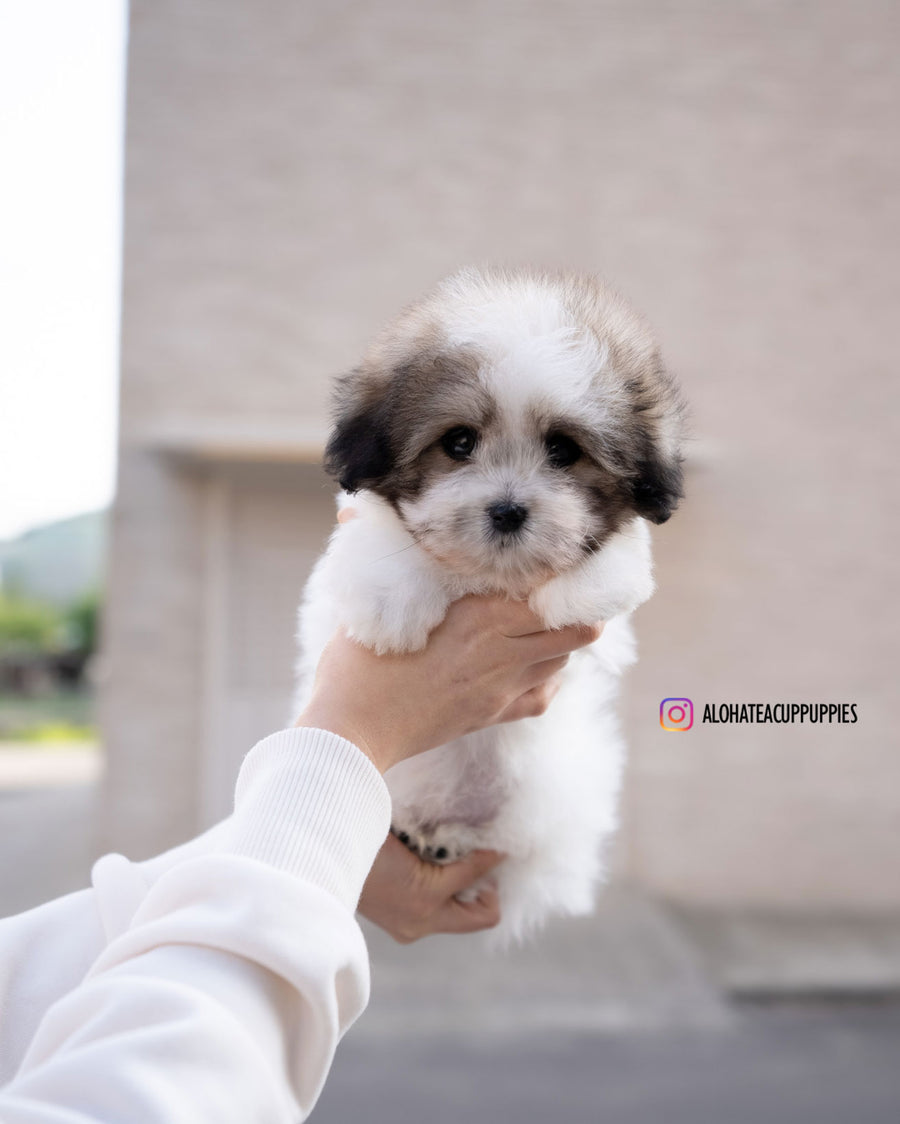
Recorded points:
(676, 714)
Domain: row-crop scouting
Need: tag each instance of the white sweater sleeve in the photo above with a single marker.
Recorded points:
(211, 983)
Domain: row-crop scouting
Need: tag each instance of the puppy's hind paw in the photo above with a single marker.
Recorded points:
(445, 843)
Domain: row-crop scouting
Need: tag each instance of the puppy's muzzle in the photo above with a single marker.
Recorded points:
(506, 518)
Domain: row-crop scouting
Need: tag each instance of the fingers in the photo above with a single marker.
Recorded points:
(449, 915)
(456, 877)
(515, 621)
(518, 621)
(561, 641)
(470, 917)
(533, 702)
(545, 669)
(418, 899)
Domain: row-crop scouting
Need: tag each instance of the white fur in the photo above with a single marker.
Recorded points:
(548, 354)
(549, 785)
(531, 341)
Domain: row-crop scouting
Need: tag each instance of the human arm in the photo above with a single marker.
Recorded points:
(225, 976)
(225, 992)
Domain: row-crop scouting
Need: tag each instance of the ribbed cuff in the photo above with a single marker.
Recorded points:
(311, 803)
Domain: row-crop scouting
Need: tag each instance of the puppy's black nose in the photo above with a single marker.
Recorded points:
(507, 517)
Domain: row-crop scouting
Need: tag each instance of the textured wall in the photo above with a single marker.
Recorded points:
(297, 171)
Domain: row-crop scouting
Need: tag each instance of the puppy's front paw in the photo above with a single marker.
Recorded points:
(613, 581)
(564, 601)
(387, 592)
(394, 620)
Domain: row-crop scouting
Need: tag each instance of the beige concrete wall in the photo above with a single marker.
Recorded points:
(297, 171)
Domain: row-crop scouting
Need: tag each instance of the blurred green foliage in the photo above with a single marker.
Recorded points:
(28, 627)
(82, 622)
(45, 694)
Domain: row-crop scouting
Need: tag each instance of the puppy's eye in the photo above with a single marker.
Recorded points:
(459, 443)
(561, 450)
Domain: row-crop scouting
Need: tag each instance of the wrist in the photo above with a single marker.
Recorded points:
(323, 718)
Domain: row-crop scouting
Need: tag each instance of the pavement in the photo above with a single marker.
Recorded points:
(46, 826)
(641, 1013)
(26, 766)
(788, 1065)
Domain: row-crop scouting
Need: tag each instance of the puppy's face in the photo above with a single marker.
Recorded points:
(514, 421)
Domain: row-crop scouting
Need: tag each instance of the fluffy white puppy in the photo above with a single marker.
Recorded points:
(512, 432)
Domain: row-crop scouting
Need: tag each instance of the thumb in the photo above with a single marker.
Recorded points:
(455, 877)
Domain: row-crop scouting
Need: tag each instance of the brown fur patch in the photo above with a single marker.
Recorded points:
(412, 388)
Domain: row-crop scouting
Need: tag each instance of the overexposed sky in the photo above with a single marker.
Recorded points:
(62, 67)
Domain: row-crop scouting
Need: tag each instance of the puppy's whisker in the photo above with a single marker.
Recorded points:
(394, 553)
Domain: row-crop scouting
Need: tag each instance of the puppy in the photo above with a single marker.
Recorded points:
(512, 432)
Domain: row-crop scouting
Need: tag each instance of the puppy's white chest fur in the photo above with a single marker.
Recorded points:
(542, 790)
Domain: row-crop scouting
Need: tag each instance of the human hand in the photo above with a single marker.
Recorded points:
(409, 898)
(490, 660)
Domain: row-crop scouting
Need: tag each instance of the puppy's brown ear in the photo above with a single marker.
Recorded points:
(655, 476)
(657, 487)
(359, 452)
